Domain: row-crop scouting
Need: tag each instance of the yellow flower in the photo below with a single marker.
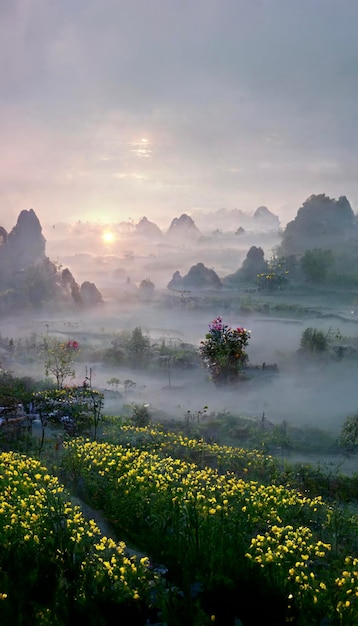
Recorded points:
(322, 585)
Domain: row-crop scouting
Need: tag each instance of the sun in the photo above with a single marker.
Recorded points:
(108, 237)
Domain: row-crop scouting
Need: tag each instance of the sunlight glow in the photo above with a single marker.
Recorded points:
(108, 237)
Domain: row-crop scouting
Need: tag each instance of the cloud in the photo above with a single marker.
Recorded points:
(224, 102)
(141, 148)
(130, 175)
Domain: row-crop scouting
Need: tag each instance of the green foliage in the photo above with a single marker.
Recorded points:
(138, 347)
(314, 340)
(177, 354)
(276, 437)
(14, 390)
(344, 274)
(114, 382)
(140, 415)
(224, 351)
(135, 350)
(131, 349)
(317, 341)
(348, 438)
(276, 277)
(316, 264)
(128, 384)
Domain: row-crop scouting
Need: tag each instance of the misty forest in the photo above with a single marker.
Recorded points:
(179, 420)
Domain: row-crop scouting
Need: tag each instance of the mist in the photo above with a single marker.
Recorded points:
(81, 247)
(304, 393)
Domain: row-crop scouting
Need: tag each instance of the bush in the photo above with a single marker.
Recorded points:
(223, 351)
(313, 340)
(348, 438)
(140, 415)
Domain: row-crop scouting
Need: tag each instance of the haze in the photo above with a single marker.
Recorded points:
(306, 393)
(111, 110)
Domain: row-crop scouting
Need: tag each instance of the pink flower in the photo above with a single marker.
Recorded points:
(73, 345)
(217, 324)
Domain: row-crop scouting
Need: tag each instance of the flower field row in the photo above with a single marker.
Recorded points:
(244, 463)
(217, 529)
(248, 464)
(54, 564)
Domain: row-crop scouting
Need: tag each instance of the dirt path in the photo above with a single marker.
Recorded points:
(106, 529)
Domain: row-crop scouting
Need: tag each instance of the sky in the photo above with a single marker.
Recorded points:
(116, 109)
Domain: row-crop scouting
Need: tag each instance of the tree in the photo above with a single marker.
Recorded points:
(313, 340)
(114, 382)
(14, 391)
(140, 415)
(59, 359)
(316, 264)
(223, 351)
(138, 347)
(276, 277)
(128, 384)
(348, 438)
(130, 348)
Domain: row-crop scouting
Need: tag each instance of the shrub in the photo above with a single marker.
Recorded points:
(313, 340)
(348, 438)
(140, 415)
(223, 351)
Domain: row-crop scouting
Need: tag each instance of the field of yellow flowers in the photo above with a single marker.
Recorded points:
(227, 542)
(55, 567)
(268, 550)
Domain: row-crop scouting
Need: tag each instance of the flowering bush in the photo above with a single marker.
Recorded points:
(75, 408)
(223, 351)
(276, 276)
